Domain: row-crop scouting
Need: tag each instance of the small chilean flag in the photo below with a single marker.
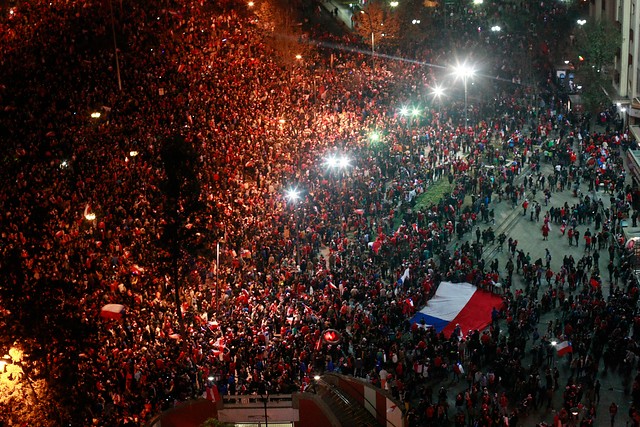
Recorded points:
(112, 311)
(564, 347)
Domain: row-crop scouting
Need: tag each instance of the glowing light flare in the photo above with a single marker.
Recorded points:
(133, 153)
(337, 161)
(464, 71)
(95, 115)
(293, 195)
(437, 91)
(251, 4)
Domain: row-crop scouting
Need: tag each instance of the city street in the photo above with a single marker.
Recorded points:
(615, 387)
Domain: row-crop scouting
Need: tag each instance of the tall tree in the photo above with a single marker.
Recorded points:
(599, 43)
(379, 19)
(182, 200)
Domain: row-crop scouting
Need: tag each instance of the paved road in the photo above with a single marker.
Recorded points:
(528, 233)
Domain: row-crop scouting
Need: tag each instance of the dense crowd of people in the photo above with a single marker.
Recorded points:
(84, 221)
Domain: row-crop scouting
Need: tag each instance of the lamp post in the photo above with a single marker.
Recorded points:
(410, 114)
(293, 195)
(263, 391)
(265, 400)
(373, 40)
(115, 45)
(464, 71)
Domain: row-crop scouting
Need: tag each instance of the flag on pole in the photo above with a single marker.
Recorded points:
(564, 347)
(405, 275)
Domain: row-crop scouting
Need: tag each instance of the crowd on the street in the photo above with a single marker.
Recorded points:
(85, 214)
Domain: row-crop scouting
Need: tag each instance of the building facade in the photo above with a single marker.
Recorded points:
(625, 15)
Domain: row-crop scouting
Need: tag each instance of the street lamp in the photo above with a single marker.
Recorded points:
(339, 162)
(437, 92)
(464, 71)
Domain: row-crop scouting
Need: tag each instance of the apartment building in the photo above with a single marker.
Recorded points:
(625, 14)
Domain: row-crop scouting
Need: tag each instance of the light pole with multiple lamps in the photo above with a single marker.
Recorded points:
(464, 71)
(293, 195)
(412, 113)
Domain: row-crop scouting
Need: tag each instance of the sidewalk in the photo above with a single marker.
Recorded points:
(339, 12)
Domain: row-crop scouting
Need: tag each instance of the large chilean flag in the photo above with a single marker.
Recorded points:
(458, 303)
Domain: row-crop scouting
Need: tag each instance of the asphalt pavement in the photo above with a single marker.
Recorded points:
(511, 222)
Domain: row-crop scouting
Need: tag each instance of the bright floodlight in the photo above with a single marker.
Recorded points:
(316, 377)
(336, 162)
(133, 153)
(404, 111)
(90, 216)
(393, 4)
(415, 112)
(478, 1)
(554, 342)
(496, 28)
(581, 22)
(464, 70)
(375, 136)
(438, 91)
(95, 115)
(298, 56)
(250, 4)
(343, 162)
(292, 195)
